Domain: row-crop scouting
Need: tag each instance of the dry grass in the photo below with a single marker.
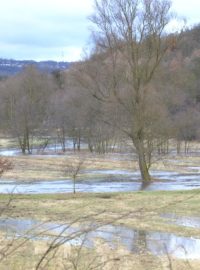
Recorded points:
(7, 142)
(30, 167)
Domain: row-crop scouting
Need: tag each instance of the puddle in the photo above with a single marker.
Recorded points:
(135, 241)
(197, 168)
(192, 222)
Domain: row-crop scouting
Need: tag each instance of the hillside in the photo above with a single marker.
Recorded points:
(10, 67)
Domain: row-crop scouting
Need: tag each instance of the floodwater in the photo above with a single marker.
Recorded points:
(51, 147)
(102, 180)
(106, 181)
(10, 152)
(192, 222)
(136, 241)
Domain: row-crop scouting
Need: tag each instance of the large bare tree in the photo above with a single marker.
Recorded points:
(130, 43)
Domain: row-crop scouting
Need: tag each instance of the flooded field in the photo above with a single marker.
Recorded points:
(135, 241)
(151, 231)
(109, 173)
(105, 181)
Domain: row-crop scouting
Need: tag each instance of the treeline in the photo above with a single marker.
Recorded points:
(37, 106)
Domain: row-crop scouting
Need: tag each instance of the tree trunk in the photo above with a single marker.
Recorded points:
(178, 147)
(144, 171)
(74, 185)
(79, 142)
(143, 168)
(28, 141)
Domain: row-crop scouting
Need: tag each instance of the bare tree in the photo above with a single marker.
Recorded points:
(73, 169)
(129, 46)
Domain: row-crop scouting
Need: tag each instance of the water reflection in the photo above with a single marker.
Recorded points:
(145, 185)
(136, 241)
(192, 222)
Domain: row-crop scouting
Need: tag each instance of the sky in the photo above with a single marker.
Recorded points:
(57, 29)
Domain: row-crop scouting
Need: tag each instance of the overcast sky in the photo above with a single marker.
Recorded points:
(56, 29)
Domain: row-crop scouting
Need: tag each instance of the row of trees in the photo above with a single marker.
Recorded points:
(138, 83)
(39, 106)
